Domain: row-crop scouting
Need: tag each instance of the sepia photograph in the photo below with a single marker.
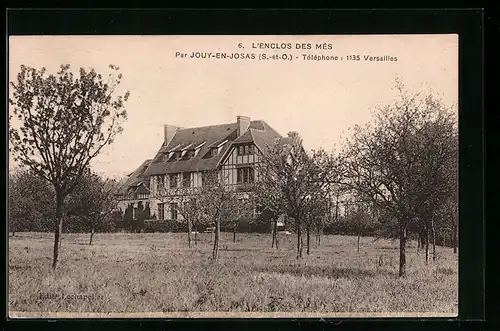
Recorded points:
(173, 176)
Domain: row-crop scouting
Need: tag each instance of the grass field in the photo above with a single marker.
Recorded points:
(158, 273)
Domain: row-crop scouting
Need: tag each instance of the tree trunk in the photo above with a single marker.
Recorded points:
(91, 235)
(402, 251)
(234, 234)
(189, 234)
(273, 237)
(455, 238)
(298, 239)
(274, 234)
(215, 252)
(58, 227)
(308, 233)
(337, 207)
(195, 237)
(318, 236)
(426, 245)
(433, 240)
(301, 246)
(359, 235)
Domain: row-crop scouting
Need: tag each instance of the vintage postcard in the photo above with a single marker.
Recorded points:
(233, 176)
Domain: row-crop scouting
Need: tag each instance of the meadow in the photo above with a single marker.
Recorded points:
(157, 272)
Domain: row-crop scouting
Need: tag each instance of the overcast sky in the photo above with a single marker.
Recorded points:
(318, 99)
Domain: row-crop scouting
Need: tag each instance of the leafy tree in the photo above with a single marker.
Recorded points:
(93, 202)
(59, 123)
(128, 216)
(447, 215)
(386, 161)
(31, 202)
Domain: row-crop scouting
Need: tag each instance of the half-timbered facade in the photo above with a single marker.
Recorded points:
(186, 154)
(134, 190)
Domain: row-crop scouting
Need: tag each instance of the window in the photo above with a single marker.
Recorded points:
(161, 180)
(203, 178)
(214, 151)
(173, 210)
(186, 179)
(173, 180)
(190, 153)
(245, 149)
(245, 175)
(161, 211)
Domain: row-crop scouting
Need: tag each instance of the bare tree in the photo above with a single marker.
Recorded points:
(269, 199)
(243, 209)
(299, 179)
(316, 211)
(219, 204)
(59, 123)
(438, 173)
(384, 160)
(189, 208)
(187, 203)
(360, 220)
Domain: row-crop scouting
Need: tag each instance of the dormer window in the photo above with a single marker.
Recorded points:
(190, 153)
(216, 147)
(174, 156)
(198, 148)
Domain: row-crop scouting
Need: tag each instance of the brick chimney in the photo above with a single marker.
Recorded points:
(169, 131)
(243, 124)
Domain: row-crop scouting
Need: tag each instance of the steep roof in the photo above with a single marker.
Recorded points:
(135, 178)
(247, 137)
(210, 136)
(266, 137)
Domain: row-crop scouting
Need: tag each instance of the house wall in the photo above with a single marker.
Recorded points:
(233, 161)
(228, 172)
(195, 179)
(154, 207)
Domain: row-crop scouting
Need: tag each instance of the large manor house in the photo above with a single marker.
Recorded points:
(186, 153)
